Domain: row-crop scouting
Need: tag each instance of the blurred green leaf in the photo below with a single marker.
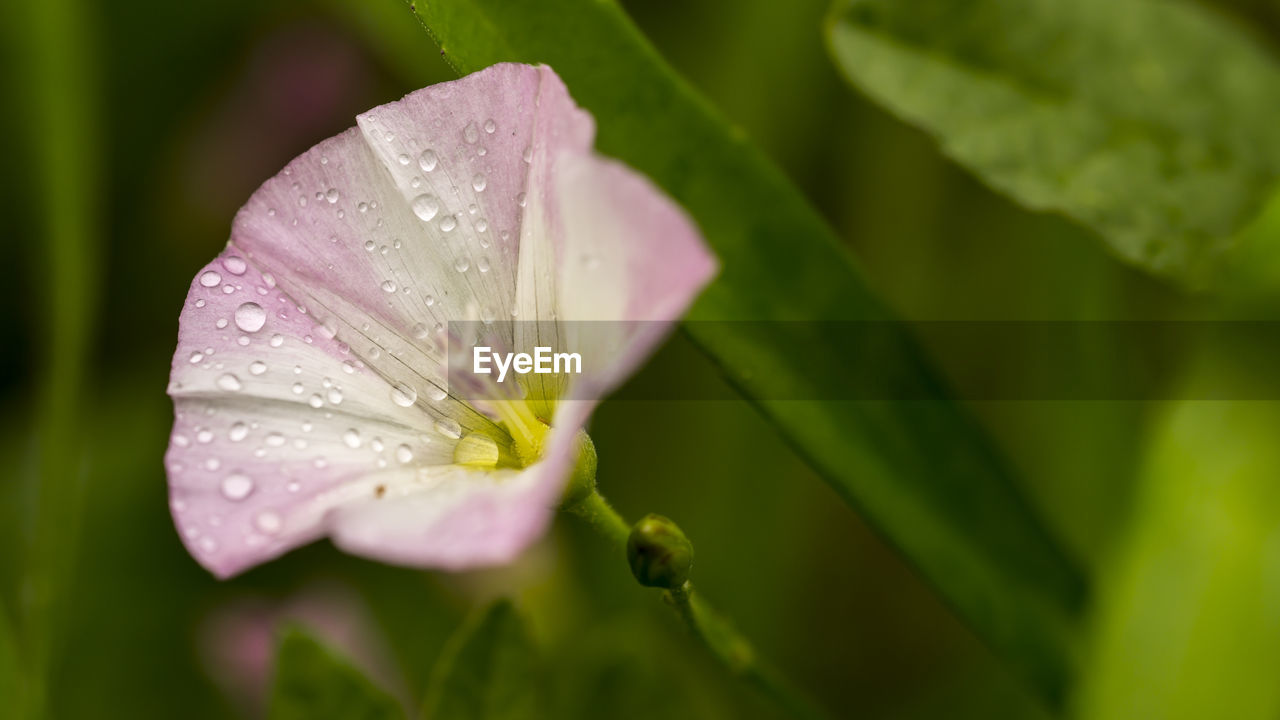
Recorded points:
(487, 672)
(10, 681)
(312, 683)
(1189, 620)
(1153, 123)
(922, 472)
(56, 86)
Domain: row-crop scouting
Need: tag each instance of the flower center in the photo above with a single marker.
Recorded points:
(528, 433)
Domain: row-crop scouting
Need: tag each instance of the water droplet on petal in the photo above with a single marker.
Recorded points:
(277, 340)
(388, 286)
(450, 428)
(351, 438)
(331, 195)
(257, 367)
(479, 182)
(461, 264)
(425, 207)
(471, 133)
(211, 278)
(229, 382)
(268, 522)
(250, 317)
(196, 358)
(334, 396)
(234, 264)
(275, 439)
(448, 222)
(521, 198)
(404, 454)
(403, 159)
(490, 126)
(238, 432)
(315, 401)
(403, 395)
(236, 486)
(427, 160)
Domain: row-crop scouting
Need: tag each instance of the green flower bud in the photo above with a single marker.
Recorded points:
(659, 553)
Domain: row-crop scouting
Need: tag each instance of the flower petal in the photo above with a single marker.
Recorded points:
(460, 518)
(628, 255)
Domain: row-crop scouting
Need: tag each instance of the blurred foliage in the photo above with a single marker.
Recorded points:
(198, 102)
(488, 671)
(1150, 122)
(313, 683)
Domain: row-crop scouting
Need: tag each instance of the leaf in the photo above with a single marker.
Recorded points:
(312, 683)
(11, 686)
(487, 672)
(922, 472)
(1152, 122)
(1187, 625)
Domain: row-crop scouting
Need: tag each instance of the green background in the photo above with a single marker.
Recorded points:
(175, 112)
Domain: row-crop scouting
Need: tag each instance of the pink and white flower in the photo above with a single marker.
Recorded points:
(309, 383)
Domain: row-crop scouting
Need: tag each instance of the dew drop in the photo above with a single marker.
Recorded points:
(527, 155)
(315, 401)
(448, 222)
(196, 357)
(449, 428)
(521, 198)
(334, 396)
(229, 382)
(471, 133)
(331, 195)
(404, 454)
(275, 439)
(479, 182)
(425, 207)
(403, 395)
(420, 331)
(211, 278)
(461, 264)
(427, 160)
(238, 432)
(388, 286)
(268, 522)
(403, 159)
(236, 486)
(257, 367)
(351, 438)
(250, 317)
(276, 340)
(490, 126)
(483, 265)
(235, 265)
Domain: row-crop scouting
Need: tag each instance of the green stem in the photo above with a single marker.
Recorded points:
(724, 642)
